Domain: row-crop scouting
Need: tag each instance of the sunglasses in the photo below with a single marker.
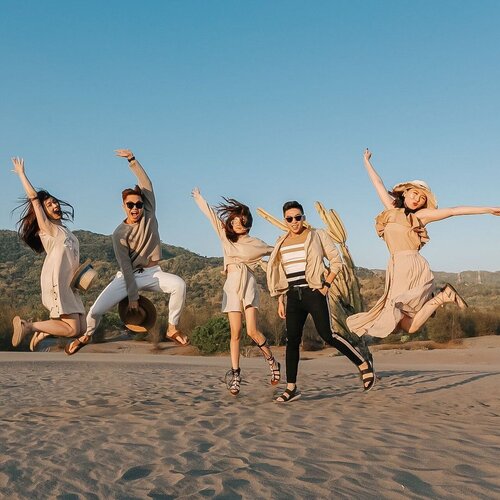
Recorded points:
(296, 218)
(130, 204)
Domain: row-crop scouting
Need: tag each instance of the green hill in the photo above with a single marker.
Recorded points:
(20, 286)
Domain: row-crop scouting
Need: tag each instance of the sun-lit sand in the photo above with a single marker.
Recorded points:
(130, 424)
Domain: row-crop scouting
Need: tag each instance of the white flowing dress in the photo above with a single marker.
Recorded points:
(59, 266)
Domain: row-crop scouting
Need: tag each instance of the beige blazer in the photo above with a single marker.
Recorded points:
(318, 246)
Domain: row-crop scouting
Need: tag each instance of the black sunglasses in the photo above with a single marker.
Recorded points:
(131, 204)
(296, 218)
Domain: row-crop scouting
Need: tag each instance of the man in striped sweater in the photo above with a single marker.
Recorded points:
(296, 270)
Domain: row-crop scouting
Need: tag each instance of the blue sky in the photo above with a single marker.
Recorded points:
(263, 101)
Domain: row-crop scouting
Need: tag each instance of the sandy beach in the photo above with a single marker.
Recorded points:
(130, 424)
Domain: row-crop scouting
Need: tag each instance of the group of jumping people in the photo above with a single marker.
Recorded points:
(300, 270)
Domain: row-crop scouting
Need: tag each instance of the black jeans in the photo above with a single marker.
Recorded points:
(301, 302)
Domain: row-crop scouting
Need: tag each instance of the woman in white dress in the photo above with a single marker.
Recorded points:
(41, 228)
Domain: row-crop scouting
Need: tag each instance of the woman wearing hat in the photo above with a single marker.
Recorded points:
(41, 227)
(242, 255)
(408, 299)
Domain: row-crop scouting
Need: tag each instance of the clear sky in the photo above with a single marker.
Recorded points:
(263, 101)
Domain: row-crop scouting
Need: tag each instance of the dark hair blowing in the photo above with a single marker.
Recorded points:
(292, 204)
(27, 225)
(228, 211)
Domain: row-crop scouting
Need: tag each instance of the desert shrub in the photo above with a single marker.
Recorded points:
(485, 323)
(444, 326)
(213, 336)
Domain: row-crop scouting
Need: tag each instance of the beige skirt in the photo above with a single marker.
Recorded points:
(240, 291)
(409, 284)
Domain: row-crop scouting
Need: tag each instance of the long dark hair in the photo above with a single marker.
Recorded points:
(27, 225)
(228, 211)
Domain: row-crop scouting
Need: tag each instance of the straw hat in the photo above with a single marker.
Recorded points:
(83, 276)
(139, 321)
(422, 186)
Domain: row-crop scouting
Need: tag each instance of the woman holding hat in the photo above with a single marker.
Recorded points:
(242, 255)
(41, 228)
(408, 299)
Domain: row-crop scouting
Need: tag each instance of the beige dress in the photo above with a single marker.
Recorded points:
(241, 259)
(59, 266)
(409, 282)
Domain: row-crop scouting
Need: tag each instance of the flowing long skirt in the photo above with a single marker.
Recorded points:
(409, 284)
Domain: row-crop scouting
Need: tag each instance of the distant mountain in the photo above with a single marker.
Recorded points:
(20, 273)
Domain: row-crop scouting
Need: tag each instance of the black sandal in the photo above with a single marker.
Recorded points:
(233, 381)
(274, 365)
(288, 396)
(367, 376)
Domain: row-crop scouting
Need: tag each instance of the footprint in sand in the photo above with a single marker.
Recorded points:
(136, 473)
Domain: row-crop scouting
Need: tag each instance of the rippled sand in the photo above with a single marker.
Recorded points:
(145, 426)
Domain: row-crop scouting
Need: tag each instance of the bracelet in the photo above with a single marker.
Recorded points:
(131, 159)
(33, 199)
(327, 284)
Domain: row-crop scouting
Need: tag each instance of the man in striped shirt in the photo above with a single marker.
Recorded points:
(296, 270)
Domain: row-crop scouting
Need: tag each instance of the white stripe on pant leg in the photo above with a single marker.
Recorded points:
(339, 337)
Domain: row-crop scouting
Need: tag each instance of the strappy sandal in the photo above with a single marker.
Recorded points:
(176, 336)
(233, 381)
(367, 376)
(37, 338)
(274, 365)
(275, 368)
(288, 396)
(74, 346)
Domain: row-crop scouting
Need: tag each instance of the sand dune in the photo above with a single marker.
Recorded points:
(147, 426)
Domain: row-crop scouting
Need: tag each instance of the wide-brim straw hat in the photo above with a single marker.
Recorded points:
(140, 321)
(422, 186)
(82, 279)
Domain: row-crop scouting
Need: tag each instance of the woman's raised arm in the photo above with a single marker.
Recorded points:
(209, 212)
(385, 197)
(41, 217)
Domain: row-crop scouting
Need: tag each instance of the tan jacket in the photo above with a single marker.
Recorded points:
(318, 245)
(247, 250)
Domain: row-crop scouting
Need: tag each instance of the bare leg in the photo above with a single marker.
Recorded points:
(257, 336)
(447, 295)
(235, 323)
(405, 323)
(254, 333)
(68, 325)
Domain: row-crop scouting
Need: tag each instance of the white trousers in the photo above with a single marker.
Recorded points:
(152, 279)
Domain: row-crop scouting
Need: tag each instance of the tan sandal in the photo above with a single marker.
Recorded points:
(449, 294)
(174, 337)
(21, 328)
(36, 339)
(74, 346)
